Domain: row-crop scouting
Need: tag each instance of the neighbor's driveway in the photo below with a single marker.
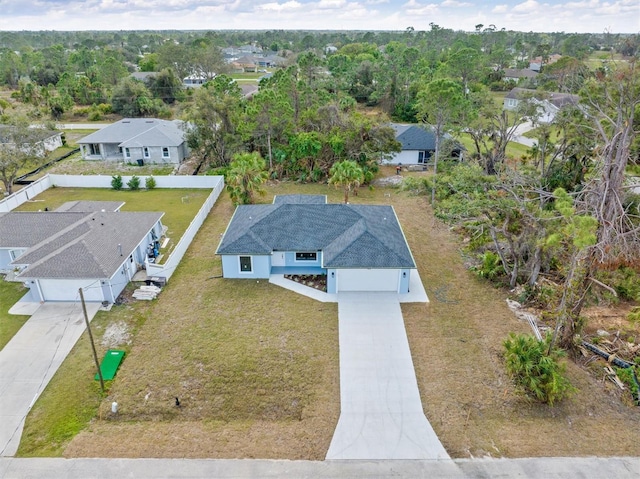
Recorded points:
(381, 414)
(29, 361)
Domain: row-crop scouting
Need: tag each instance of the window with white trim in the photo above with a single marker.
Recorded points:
(127, 153)
(245, 264)
(165, 152)
(146, 152)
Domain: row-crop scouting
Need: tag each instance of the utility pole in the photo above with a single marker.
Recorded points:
(93, 346)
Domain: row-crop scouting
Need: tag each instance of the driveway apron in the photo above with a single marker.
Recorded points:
(381, 412)
(29, 361)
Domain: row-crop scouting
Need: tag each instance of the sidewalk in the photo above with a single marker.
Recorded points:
(527, 468)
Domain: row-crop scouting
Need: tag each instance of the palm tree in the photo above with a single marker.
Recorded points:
(348, 174)
(246, 175)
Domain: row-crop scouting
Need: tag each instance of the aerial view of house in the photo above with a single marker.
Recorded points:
(145, 140)
(83, 244)
(418, 144)
(358, 247)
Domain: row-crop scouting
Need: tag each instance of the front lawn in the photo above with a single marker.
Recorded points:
(256, 367)
(10, 293)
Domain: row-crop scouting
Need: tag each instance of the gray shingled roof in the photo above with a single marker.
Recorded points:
(90, 206)
(87, 248)
(414, 137)
(25, 229)
(300, 199)
(350, 236)
(137, 132)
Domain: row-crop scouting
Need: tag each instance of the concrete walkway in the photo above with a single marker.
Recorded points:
(381, 414)
(31, 358)
(518, 135)
(527, 468)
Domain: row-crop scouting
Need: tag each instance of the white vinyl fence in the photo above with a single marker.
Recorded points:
(165, 270)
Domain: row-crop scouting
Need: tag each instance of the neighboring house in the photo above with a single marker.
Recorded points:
(246, 64)
(358, 247)
(196, 80)
(549, 103)
(418, 145)
(537, 62)
(513, 75)
(88, 245)
(146, 139)
(44, 140)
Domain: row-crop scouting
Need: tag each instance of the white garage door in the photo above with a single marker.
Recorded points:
(67, 289)
(368, 279)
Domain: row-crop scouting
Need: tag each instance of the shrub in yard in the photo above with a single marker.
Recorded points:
(116, 182)
(150, 183)
(536, 370)
(491, 266)
(134, 183)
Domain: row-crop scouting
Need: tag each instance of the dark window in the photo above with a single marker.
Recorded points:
(245, 264)
(423, 156)
(94, 149)
(306, 256)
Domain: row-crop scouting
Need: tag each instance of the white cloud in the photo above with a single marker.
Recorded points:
(454, 3)
(529, 6)
(280, 7)
(500, 9)
(331, 4)
(412, 7)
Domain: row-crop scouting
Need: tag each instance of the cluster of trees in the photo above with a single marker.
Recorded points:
(300, 129)
(563, 221)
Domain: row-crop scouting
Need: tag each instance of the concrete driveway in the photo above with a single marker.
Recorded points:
(381, 414)
(31, 358)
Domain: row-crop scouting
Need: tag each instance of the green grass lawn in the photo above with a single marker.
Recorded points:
(10, 293)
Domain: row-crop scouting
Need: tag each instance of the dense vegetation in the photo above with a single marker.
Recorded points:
(559, 224)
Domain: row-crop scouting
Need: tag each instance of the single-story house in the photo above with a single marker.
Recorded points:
(88, 245)
(42, 140)
(515, 75)
(358, 247)
(549, 103)
(146, 139)
(418, 145)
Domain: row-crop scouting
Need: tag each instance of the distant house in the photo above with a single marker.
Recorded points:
(145, 77)
(358, 247)
(549, 103)
(86, 244)
(146, 139)
(247, 64)
(44, 140)
(536, 63)
(196, 80)
(418, 145)
(514, 75)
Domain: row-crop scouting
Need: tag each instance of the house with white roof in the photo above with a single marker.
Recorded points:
(142, 140)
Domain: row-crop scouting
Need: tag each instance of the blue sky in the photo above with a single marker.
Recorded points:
(596, 16)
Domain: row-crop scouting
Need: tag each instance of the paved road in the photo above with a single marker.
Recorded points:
(530, 468)
(381, 414)
(31, 358)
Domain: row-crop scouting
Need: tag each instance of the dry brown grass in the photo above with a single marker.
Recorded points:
(238, 353)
